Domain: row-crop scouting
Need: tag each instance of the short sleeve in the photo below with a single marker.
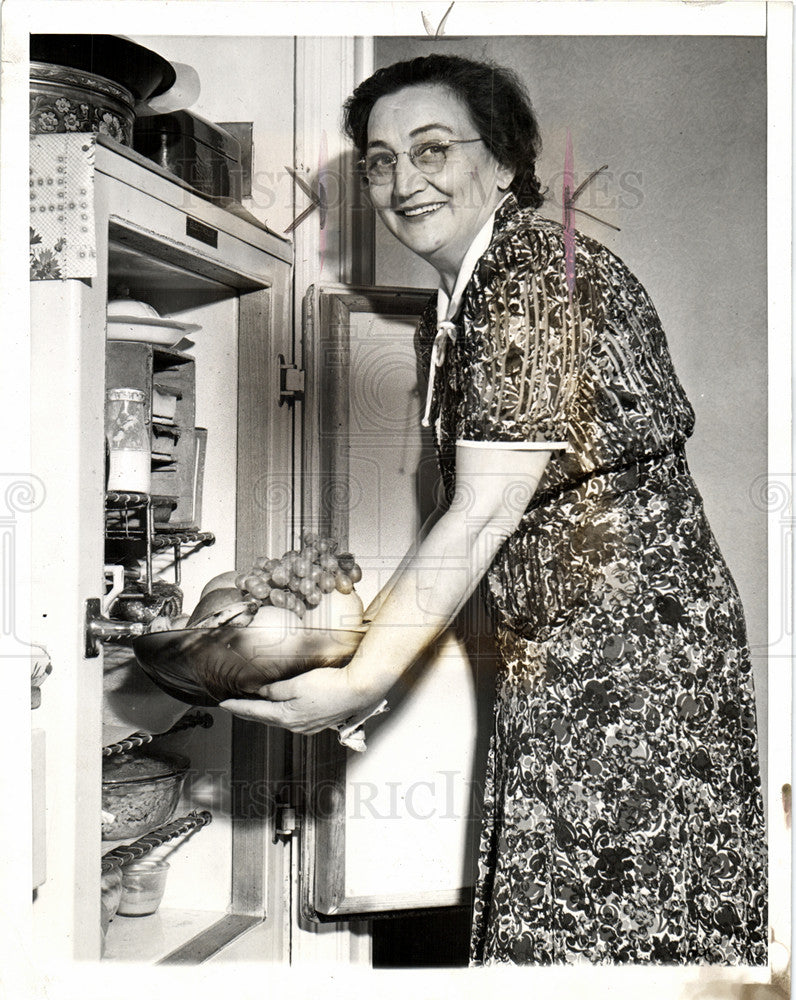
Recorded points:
(630, 403)
(583, 362)
(525, 344)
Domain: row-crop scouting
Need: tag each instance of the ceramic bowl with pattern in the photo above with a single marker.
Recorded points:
(71, 100)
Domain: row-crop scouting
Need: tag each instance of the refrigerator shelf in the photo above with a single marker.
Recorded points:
(138, 849)
(189, 721)
(165, 541)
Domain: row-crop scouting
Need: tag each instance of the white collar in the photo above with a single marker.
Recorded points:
(448, 307)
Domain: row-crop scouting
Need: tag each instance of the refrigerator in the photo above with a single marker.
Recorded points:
(259, 428)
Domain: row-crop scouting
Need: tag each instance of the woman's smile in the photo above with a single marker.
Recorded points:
(420, 211)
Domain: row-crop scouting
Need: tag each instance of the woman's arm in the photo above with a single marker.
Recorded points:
(493, 489)
(373, 608)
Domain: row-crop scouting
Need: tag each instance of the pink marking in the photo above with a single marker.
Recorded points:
(323, 156)
(569, 216)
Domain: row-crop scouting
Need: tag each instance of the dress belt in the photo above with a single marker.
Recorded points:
(642, 465)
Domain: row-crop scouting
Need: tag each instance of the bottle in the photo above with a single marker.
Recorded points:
(127, 437)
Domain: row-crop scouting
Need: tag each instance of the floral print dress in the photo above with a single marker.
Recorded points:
(623, 815)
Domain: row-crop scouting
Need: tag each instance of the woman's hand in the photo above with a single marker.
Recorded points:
(493, 488)
(305, 704)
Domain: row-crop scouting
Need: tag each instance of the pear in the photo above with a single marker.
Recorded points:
(222, 581)
(220, 607)
(277, 645)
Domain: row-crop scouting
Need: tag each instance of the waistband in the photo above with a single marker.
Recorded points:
(622, 477)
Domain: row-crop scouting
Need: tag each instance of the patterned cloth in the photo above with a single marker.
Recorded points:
(62, 236)
(623, 815)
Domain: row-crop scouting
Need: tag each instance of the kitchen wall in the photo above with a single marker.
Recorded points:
(247, 79)
(681, 124)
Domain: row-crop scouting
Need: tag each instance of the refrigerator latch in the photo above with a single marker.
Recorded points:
(291, 382)
(286, 823)
(99, 629)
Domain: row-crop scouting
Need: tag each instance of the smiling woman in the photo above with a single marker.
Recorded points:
(623, 816)
(435, 197)
(433, 179)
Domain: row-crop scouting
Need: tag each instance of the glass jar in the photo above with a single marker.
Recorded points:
(143, 885)
(127, 437)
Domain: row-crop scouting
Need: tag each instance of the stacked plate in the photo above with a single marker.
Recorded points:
(129, 319)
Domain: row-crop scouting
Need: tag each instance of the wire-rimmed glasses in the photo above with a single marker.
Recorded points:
(378, 167)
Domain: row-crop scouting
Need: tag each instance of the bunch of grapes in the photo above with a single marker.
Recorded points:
(302, 576)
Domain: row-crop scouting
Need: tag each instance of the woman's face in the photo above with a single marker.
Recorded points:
(435, 215)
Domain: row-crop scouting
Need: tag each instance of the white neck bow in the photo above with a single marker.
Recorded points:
(446, 330)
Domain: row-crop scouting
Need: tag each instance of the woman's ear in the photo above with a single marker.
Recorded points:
(505, 175)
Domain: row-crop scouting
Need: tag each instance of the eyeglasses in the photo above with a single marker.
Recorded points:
(428, 157)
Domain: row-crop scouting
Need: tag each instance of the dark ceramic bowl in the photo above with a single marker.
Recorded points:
(139, 70)
(134, 605)
(203, 666)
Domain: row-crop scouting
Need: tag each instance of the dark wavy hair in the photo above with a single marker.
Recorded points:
(495, 97)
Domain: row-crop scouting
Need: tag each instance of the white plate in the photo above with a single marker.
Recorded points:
(164, 332)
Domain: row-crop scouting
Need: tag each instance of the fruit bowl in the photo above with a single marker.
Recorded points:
(203, 666)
